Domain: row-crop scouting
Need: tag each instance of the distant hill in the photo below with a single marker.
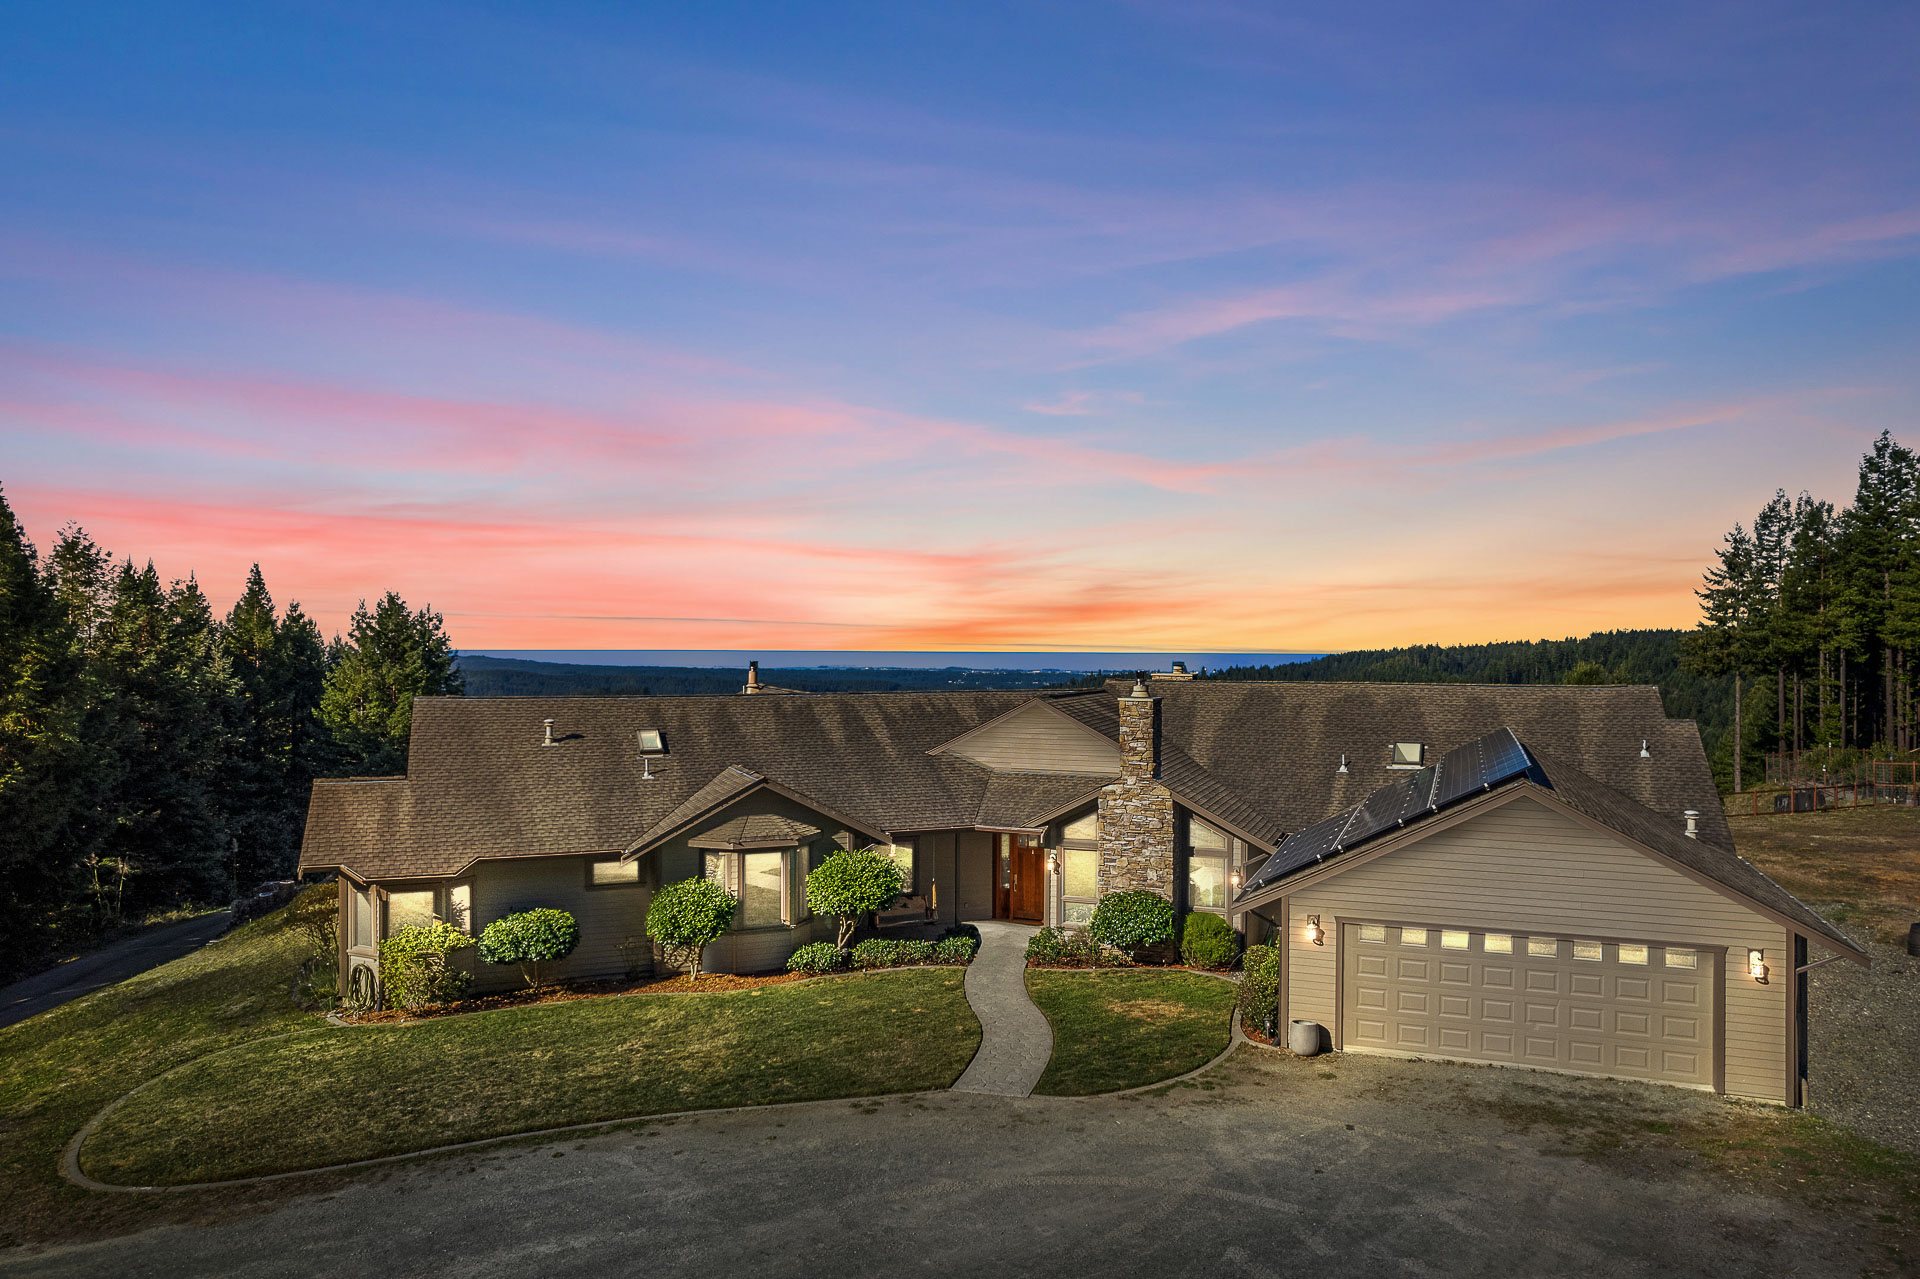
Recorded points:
(517, 677)
(1605, 657)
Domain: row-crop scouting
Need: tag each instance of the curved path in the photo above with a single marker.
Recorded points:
(1016, 1040)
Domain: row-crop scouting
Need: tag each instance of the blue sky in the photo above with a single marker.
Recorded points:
(1094, 326)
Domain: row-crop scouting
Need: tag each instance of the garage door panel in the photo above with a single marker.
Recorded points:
(1617, 1014)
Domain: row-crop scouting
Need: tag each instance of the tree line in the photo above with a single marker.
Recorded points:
(154, 755)
(1814, 613)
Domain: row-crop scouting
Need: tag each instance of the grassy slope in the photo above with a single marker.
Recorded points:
(1122, 1029)
(383, 1090)
(1860, 865)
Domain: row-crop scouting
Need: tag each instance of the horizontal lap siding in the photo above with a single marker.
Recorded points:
(976, 870)
(607, 916)
(1523, 866)
(1039, 740)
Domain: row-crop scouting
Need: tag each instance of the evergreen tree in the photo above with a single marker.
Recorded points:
(44, 759)
(390, 656)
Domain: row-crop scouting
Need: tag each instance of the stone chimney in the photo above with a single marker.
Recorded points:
(1136, 812)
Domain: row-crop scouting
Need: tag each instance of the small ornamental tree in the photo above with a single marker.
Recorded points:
(530, 939)
(688, 916)
(417, 966)
(1133, 920)
(847, 885)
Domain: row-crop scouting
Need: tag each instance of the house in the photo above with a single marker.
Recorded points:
(1538, 875)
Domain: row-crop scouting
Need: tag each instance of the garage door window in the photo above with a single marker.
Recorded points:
(1373, 932)
(1542, 946)
(1682, 958)
(1498, 944)
(1632, 954)
(1454, 939)
(1586, 950)
(1413, 936)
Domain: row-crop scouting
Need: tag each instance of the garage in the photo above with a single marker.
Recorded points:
(1632, 1010)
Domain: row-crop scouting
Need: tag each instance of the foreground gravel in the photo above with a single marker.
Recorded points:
(1862, 1040)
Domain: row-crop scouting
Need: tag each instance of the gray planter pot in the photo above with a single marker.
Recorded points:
(1303, 1037)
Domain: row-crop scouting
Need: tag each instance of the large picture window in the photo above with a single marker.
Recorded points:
(902, 856)
(408, 908)
(760, 891)
(1079, 870)
(1207, 851)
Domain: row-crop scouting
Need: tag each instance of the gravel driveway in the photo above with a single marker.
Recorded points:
(1268, 1166)
(1863, 1046)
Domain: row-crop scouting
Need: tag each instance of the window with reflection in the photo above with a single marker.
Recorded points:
(1079, 870)
(1207, 851)
(409, 908)
(761, 875)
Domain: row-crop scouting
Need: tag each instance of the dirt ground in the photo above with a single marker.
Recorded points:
(1860, 867)
(1267, 1166)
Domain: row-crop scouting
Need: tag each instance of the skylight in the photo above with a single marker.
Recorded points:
(650, 742)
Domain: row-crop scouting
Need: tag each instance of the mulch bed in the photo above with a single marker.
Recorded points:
(711, 983)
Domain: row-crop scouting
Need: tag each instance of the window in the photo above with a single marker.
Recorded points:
(1454, 939)
(1080, 873)
(1543, 946)
(1632, 954)
(612, 873)
(405, 909)
(1586, 950)
(715, 868)
(1076, 914)
(650, 743)
(1373, 932)
(1413, 936)
(362, 918)
(1206, 866)
(1204, 837)
(1497, 944)
(1407, 755)
(902, 856)
(460, 907)
(1682, 958)
(760, 893)
(1082, 829)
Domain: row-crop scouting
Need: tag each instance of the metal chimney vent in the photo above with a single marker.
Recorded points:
(549, 724)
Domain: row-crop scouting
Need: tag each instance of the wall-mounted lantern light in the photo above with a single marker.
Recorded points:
(1757, 966)
(1316, 934)
(1234, 879)
(1053, 860)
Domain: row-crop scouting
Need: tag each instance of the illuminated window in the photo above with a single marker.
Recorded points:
(408, 909)
(1080, 873)
(1586, 950)
(1454, 939)
(1633, 954)
(1373, 932)
(1077, 914)
(1498, 944)
(605, 874)
(1542, 946)
(902, 855)
(1207, 883)
(1682, 958)
(1201, 835)
(1413, 936)
(1083, 829)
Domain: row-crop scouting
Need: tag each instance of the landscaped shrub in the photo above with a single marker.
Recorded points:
(817, 957)
(416, 965)
(955, 950)
(876, 952)
(1133, 921)
(530, 939)
(848, 885)
(1045, 947)
(1260, 990)
(915, 951)
(688, 916)
(1207, 941)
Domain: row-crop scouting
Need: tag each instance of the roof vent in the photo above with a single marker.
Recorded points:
(1343, 765)
(1644, 752)
(549, 724)
(753, 678)
(1693, 823)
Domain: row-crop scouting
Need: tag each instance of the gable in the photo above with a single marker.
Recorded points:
(1035, 738)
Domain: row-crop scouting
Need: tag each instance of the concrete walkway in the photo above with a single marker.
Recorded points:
(1016, 1042)
(107, 965)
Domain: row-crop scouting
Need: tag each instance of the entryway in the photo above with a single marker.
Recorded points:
(1020, 889)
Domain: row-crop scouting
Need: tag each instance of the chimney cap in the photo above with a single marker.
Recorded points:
(1139, 685)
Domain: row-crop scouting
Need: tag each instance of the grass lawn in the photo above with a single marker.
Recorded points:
(382, 1090)
(1121, 1029)
(1862, 865)
(58, 1069)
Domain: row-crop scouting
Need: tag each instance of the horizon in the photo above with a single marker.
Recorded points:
(1085, 329)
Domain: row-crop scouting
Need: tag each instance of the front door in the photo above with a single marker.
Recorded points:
(1023, 879)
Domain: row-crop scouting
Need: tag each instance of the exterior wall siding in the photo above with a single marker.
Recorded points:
(1035, 739)
(608, 917)
(1524, 866)
(976, 868)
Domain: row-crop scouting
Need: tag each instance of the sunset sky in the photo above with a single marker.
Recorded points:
(1192, 327)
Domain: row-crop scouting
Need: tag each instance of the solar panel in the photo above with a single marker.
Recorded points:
(1304, 848)
(1392, 805)
(1486, 761)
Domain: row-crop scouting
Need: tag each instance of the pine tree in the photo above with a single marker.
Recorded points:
(1724, 642)
(390, 656)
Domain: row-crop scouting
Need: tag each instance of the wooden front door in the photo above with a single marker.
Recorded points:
(1023, 879)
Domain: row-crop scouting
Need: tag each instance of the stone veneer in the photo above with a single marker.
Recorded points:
(1136, 812)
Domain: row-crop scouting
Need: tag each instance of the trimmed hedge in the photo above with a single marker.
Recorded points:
(818, 957)
(1260, 990)
(687, 916)
(1061, 948)
(888, 952)
(530, 939)
(1207, 941)
(955, 950)
(1133, 920)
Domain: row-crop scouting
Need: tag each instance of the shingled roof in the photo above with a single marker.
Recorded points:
(1260, 758)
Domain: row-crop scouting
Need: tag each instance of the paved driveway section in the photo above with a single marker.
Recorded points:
(107, 965)
(1016, 1041)
(1349, 1167)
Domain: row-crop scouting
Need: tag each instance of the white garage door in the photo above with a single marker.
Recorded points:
(1639, 1011)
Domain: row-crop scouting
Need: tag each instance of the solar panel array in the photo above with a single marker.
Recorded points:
(1478, 765)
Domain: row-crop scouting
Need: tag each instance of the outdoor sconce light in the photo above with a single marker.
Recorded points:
(1234, 879)
(1757, 966)
(1053, 861)
(1316, 934)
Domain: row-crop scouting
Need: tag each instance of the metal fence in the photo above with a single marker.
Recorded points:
(1817, 768)
(1814, 799)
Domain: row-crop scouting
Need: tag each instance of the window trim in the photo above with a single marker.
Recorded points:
(733, 870)
(588, 863)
